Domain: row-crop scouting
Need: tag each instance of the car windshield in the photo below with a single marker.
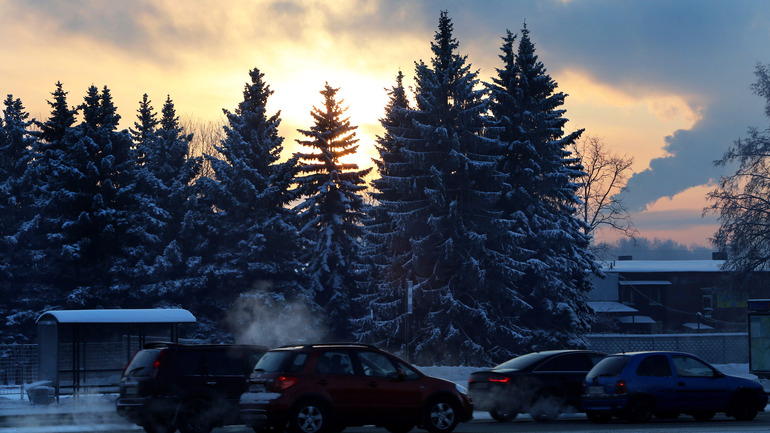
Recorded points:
(141, 364)
(274, 361)
(522, 361)
(609, 366)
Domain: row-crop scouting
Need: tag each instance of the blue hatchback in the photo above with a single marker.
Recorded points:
(638, 385)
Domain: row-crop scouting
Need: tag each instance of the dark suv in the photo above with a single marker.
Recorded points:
(191, 387)
(327, 387)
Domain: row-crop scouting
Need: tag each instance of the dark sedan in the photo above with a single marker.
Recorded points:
(544, 384)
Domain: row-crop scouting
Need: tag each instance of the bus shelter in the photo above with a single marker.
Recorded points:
(90, 348)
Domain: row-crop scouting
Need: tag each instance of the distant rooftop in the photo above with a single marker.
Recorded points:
(663, 266)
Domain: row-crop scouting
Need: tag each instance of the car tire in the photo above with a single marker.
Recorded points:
(502, 415)
(195, 416)
(309, 416)
(639, 409)
(743, 406)
(666, 414)
(599, 417)
(546, 407)
(399, 428)
(440, 416)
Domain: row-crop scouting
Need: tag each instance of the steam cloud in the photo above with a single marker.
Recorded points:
(267, 318)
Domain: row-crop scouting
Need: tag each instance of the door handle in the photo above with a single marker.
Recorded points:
(323, 382)
(681, 383)
(372, 384)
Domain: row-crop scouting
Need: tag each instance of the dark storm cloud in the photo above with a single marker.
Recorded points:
(703, 50)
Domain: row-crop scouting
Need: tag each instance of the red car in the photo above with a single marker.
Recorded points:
(327, 387)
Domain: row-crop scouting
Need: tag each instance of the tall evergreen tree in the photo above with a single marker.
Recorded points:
(80, 174)
(332, 211)
(456, 259)
(387, 244)
(541, 199)
(253, 235)
(165, 175)
(16, 143)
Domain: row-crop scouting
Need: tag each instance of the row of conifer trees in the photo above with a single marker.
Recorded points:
(469, 250)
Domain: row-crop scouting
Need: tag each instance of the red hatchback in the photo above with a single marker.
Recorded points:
(327, 387)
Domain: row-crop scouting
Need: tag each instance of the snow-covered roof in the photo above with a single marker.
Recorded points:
(167, 315)
(611, 307)
(697, 326)
(664, 266)
(644, 283)
(636, 319)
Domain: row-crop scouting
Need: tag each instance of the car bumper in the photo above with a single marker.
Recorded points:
(140, 409)
(604, 403)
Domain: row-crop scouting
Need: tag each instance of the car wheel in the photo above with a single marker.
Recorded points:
(399, 428)
(703, 415)
(639, 409)
(502, 415)
(440, 416)
(195, 416)
(309, 417)
(599, 417)
(546, 407)
(743, 406)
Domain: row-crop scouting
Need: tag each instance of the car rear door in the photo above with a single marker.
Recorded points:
(336, 379)
(654, 377)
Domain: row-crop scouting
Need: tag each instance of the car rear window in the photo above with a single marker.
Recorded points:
(521, 362)
(142, 363)
(609, 366)
(281, 361)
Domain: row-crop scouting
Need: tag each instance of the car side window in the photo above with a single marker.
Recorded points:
(334, 362)
(690, 367)
(567, 362)
(224, 363)
(655, 366)
(191, 363)
(377, 365)
(297, 363)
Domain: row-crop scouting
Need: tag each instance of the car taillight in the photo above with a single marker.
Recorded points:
(500, 379)
(620, 387)
(284, 382)
(156, 365)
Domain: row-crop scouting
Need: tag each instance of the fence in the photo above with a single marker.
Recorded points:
(18, 366)
(727, 348)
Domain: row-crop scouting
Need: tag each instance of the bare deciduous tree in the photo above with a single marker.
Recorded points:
(605, 178)
(206, 135)
(742, 199)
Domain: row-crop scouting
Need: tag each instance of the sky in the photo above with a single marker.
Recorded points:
(665, 82)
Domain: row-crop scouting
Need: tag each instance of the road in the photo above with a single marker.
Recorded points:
(575, 423)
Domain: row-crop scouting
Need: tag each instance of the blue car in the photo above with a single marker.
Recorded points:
(636, 386)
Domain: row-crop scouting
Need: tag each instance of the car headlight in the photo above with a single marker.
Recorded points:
(461, 389)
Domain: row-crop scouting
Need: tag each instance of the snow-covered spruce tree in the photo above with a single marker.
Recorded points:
(332, 212)
(458, 265)
(16, 142)
(541, 175)
(165, 176)
(386, 248)
(80, 176)
(252, 234)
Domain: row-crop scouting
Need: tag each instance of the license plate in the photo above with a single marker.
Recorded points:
(595, 390)
(257, 387)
